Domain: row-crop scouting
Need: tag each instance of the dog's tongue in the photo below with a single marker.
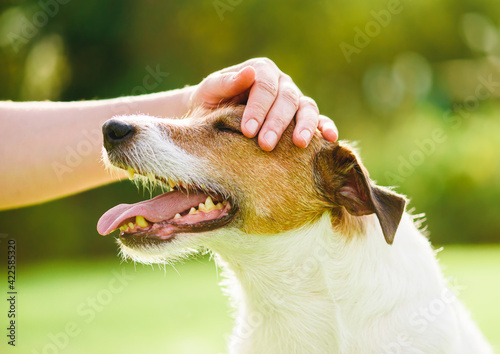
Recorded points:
(162, 207)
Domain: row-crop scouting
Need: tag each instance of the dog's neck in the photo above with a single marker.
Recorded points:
(308, 290)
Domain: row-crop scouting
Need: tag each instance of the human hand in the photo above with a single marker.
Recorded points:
(272, 99)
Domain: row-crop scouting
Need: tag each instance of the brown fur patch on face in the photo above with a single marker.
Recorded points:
(276, 191)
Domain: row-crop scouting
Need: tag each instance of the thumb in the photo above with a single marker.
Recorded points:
(230, 85)
(243, 80)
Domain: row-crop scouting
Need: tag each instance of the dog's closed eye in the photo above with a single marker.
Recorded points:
(223, 126)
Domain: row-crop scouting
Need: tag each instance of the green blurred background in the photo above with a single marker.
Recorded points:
(416, 83)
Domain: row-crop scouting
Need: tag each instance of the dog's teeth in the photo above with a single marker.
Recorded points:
(178, 216)
(123, 228)
(219, 206)
(201, 207)
(151, 177)
(193, 211)
(140, 221)
(131, 225)
(209, 204)
(130, 172)
(171, 183)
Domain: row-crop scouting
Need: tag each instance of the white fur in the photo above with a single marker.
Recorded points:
(314, 291)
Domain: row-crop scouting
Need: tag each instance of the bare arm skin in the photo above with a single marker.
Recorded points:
(53, 149)
(50, 150)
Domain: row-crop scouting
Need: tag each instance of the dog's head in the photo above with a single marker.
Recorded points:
(220, 179)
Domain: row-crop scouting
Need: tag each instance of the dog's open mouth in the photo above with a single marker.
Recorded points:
(184, 209)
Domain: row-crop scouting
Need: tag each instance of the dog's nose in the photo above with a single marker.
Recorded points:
(115, 131)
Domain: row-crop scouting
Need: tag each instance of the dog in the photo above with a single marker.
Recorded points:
(316, 257)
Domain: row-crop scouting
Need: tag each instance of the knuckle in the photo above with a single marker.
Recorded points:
(260, 62)
(324, 119)
(218, 80)
(308, 122)
(212, 76)
(308, 102)
(265, 62)
(268, 86)
(286, 77)
(322, 122)
(260, 110)
(211, 80)
(291, 96)
(328, 125)
(278, 123)
(268, 61)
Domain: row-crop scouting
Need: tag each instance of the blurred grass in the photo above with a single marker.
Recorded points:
(475, 273)
(156, 312)
(184, 311)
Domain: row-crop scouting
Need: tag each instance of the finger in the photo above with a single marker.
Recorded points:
(328, 129)
(261, 97)
(280, 115)
(307, 121)
(219, 87)
(242, 81)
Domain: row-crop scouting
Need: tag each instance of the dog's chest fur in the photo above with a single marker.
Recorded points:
(311, 291)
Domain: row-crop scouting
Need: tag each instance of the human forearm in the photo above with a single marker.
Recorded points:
(52, 149)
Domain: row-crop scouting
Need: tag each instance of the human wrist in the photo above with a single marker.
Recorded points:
(172, 103)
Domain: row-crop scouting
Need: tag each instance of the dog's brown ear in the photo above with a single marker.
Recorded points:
(345, 182)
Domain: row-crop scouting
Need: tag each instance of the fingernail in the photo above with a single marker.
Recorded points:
(252, 125)
(306, 135)
(271, 138)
